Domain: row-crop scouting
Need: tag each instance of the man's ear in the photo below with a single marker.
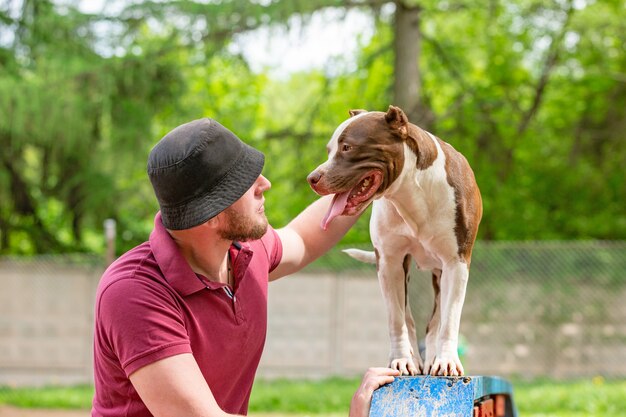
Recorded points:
(216, 221)
(356, 111)
(397, 121)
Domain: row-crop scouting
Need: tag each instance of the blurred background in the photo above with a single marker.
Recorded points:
(532, 92)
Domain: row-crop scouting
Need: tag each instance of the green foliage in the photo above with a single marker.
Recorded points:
(521, 112)
(75, 121)
(531, 92)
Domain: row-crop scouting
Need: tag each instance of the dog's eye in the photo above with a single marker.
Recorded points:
(346, 147)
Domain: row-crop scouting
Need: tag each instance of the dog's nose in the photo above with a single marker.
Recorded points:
(314, 177)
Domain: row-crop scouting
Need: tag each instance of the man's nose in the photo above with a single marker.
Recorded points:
(264, 183)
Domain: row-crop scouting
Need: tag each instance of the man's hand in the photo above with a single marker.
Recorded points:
(373, 379)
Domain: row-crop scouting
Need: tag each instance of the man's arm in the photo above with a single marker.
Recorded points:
(304, 240)
(174, 386)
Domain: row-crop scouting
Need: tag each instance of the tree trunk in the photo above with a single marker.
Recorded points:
(4, 236)
(407, 49)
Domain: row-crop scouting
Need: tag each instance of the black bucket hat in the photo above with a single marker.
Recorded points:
(199, 169)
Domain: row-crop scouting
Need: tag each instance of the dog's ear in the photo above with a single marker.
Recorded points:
(356, 111)
(397, 120)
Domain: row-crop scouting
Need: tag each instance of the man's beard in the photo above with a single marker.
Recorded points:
(241, 227)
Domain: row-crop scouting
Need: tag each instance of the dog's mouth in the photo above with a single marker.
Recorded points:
(349, 203)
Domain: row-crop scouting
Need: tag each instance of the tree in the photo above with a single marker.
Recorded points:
(531, 92)
(71, 118)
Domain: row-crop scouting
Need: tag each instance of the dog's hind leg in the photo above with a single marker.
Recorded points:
(433, 324)
(408, 315)
(454, 277)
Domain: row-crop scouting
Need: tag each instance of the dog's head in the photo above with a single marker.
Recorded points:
(365, 156)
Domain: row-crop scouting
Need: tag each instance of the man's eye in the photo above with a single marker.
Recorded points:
(346, 148)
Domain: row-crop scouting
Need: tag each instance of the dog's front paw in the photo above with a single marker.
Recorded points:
(407, 366)
(446, 365)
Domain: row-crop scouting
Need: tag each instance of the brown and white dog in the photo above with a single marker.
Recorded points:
(426, 206)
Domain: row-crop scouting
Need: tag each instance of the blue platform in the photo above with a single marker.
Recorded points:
(429, 396)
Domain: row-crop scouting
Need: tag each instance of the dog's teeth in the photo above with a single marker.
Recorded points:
(361, 190)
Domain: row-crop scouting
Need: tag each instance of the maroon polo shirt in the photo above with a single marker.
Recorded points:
(150, 305)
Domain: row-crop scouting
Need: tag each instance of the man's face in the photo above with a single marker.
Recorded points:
(245, 219)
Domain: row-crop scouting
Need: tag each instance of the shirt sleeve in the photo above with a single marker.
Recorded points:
(273, 247)
(140, 322)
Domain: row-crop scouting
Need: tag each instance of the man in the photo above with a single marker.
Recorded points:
(181, 319)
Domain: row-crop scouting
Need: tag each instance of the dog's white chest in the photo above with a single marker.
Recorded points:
(421, 206)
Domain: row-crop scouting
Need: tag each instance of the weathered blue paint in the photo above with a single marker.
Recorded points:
(428, 396)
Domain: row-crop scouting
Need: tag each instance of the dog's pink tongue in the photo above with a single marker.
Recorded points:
(336, 208)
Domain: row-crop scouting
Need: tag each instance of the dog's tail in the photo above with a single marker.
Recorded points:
(362, 255)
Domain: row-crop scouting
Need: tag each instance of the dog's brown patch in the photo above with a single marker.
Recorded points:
(459, 176)
(416, 139)
(469, 206)
(406, 265)
(436, 281)
(422, 146)
(375, 141)
(376, 147)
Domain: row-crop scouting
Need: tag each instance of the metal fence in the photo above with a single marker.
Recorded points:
(46, 319)
(548, 308)
(553, 309)
(532, 309)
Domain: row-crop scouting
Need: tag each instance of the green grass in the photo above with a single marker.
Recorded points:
(297, 397)
(48, 397)
(584, 398)
(540, 398)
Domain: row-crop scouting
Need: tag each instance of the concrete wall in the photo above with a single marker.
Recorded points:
(319, 325)
(46, 315)
(323, 324)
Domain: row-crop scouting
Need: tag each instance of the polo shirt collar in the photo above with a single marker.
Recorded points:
(175, 268)
(173, 265)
